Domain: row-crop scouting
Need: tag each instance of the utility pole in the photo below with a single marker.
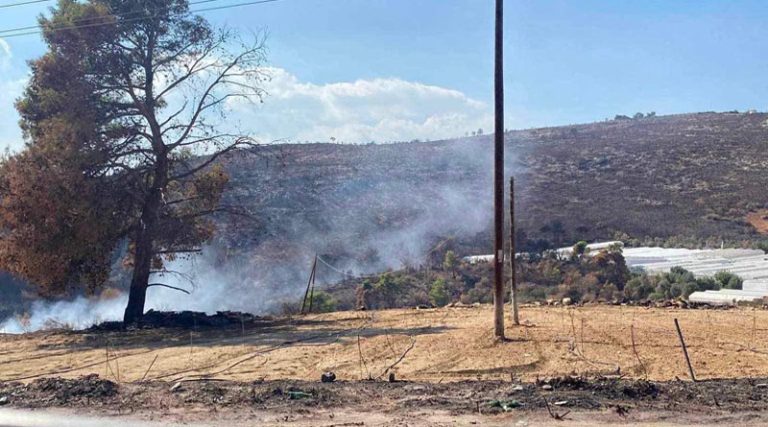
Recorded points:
(310, 284)
(498, 175)
(512, 259)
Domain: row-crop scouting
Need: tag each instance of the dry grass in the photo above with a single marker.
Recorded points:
(450, 344)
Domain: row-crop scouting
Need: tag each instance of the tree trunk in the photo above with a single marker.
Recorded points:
(137, 296)
(142, 262)
(150, 214)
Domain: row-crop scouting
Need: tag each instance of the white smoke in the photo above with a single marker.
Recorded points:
(264, 277)
(211, 288)
(79, 313)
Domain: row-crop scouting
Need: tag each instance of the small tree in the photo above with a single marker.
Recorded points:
(438, 293)
(387, 289)
(450, 261)
(728, 280)
(362, 295)
(579, 249)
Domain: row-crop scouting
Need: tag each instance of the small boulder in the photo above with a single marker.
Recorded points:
(567, 301)
(176, 388)
(4, 400)
(328, 377)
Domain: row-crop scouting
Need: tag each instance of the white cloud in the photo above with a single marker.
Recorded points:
(5, 55)
(10, 89)
(382, 110)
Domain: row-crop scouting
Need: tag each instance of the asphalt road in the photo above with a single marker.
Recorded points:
(18, 418)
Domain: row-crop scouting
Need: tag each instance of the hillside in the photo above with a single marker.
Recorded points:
(692, 178)
(683, 180)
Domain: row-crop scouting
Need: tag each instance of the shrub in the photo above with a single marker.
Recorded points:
(690, 288)
(386, 291)
(438, 294)
(532, 293)
(638, 288)
(609, 292)
(580, 248)
(677, 289)
(322, 302)
(707, 284)
(363, 295)
(728, 280)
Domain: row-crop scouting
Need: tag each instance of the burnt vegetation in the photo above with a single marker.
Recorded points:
(685, 180)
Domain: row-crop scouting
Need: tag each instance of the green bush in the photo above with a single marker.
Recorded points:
(638, 288)
(728, 280)
(580, 248)
(438, 294)
(322, 302)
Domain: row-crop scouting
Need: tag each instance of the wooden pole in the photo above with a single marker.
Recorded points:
(498, 172)
(309, 283)
(312, 290)
(512, 260)
(685, 350)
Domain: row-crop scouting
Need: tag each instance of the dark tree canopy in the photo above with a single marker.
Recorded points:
(122, 120)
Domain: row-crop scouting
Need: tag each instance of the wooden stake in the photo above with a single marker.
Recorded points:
(634, 349)
(685, 350)
(512, 260)
(150, 367)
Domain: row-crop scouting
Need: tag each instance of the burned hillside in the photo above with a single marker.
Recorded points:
(689, 179)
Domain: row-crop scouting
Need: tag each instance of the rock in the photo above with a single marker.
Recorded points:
(561, 403)
(4, 400)
(518, 388)
(546, 387)
(176, 387)
(328, 377)
(392, 378)
(567, 301)
(550, 301)
(761, 385)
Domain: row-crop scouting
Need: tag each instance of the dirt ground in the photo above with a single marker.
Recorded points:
(573, 400)
(606, 364)
(448, 344)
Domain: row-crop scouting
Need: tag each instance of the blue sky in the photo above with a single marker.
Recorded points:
(425, 66)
